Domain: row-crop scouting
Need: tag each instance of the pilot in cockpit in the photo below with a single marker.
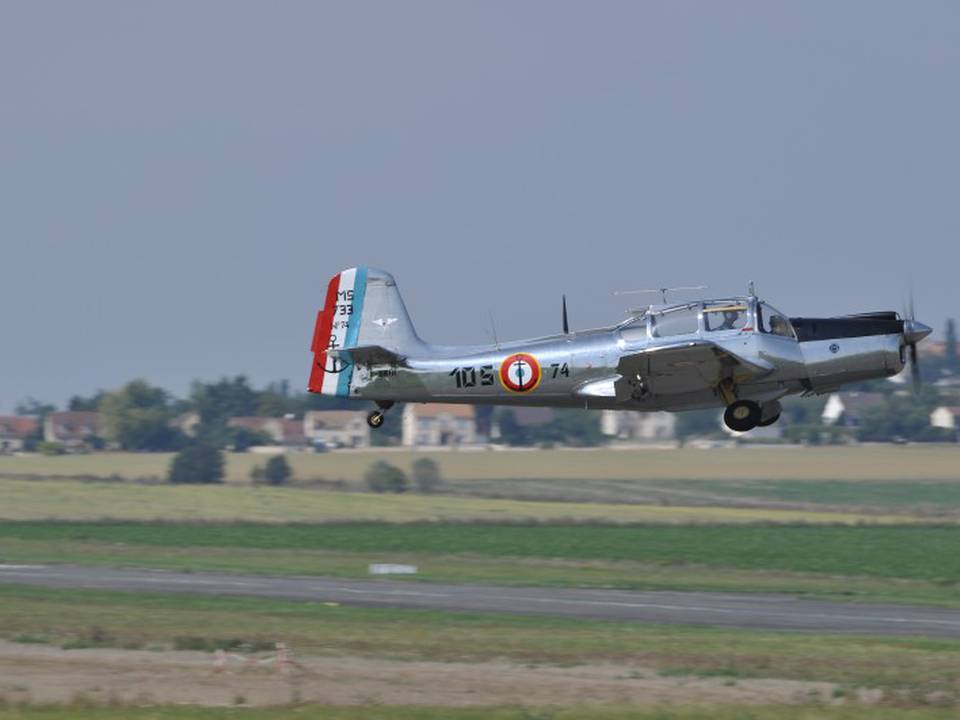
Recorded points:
(730, 318)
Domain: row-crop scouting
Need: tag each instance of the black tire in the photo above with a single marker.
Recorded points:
(769, 421)
(375, 419)
(741, 416)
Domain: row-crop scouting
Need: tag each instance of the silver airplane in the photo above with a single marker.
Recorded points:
(739, 353)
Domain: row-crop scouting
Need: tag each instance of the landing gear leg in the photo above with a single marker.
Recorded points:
(376, 417)
(742, 415)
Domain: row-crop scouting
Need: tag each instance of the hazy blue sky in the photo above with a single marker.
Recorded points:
(178, 180)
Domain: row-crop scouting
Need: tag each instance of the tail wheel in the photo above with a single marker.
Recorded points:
(742, 415)
(375, 419)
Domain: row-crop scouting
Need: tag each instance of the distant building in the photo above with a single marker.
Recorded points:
(438, 425)
(72, 428)
(282, 431)
(946, 417)
(846, 409)
(638, 426)
(337, 428)
(936, 348)
(14, 431)
(187, 423)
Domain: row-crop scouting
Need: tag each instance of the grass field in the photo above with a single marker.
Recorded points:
(880, 462)
(921, 553)
(853, 523)
(917, 564)
(308, 712)
(77, 500)
(84, 618)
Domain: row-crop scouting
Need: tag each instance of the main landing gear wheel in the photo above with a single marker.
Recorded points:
(375, 419)
(769, 413)
(742, 415)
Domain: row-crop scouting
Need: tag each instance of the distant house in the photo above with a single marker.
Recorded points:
(282, 431)
(337, 428)
(187, 423)
(72, 428)
(946, 417)
(439, 425)
(14, 431)
(638, 426)
(846, 409)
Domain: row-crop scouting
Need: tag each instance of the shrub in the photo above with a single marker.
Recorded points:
(50, 448)
(198, 462)
(426, 475)
(277, 471)
(383, 477)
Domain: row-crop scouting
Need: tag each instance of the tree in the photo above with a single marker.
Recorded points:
(697, 423)
(137, 417)
(39, 410)
(277, 471)
(78, 403)
(569, 426)
(426, 475)
(218, 402)
(383, 477)
(241, 438)
(899, 417)
(199, 462)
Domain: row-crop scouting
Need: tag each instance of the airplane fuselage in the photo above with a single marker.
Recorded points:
(737, 352)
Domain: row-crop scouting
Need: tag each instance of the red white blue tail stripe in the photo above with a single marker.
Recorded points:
(337, 327)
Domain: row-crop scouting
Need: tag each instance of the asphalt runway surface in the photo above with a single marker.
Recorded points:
(759, 612)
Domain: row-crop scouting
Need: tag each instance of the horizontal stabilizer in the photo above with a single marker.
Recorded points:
(368, 355)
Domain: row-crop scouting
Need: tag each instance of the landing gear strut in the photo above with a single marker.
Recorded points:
(376, 417)
(742, 415)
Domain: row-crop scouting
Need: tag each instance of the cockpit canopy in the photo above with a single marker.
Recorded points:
(708, 316)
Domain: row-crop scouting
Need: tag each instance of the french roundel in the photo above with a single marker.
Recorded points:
(520, 373)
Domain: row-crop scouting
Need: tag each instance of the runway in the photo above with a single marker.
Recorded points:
(749, 611)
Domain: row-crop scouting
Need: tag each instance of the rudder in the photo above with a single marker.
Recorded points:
(362, 307)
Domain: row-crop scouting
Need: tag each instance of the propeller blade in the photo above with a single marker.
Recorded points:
(914, 366)
(566, 324)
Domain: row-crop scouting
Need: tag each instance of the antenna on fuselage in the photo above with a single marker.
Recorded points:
(663, 291)
(493, 329)
(566, 323)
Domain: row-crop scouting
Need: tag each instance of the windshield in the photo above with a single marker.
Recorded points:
(774, 322)
(675, 321)
(725, 316)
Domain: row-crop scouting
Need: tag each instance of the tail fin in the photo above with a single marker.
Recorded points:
(362, 307)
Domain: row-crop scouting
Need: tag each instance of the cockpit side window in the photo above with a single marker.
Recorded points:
(725, 316)
(676, 321)
(774, 322)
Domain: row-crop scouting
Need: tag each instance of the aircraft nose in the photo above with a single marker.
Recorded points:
(914, 331)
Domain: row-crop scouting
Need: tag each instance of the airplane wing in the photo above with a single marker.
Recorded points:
(368, 355)
(677, 368)
(685, 366)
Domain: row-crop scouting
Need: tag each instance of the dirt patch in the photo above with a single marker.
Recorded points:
(40, 673)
